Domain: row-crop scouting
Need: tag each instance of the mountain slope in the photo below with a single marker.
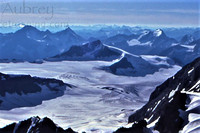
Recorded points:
(183, 54)
(90, 51)
(132, 65)
(26, 91)
(166, 110)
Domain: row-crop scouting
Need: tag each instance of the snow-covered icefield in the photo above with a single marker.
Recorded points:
(86, 107)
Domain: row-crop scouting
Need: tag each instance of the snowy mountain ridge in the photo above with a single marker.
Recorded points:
(173, 104)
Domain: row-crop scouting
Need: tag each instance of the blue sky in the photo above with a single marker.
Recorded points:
(130, 12)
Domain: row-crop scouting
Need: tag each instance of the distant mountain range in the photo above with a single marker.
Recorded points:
(30, 44)
(157, 43)
(33, 45)
(148, 42)
(124, 63)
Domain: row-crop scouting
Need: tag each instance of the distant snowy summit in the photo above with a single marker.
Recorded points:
(158, 33)
(147, 42)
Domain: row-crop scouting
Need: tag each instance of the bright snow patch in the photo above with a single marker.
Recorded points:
(156, 105)
(193, 118)
(157, 32)
(190, 70)
(153, 123)
(189, 47)
(135, 42)
(171, 94)
(156, 60)
(195, 85)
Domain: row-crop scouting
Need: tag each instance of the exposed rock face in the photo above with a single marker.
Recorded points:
(168, 102)
(35, 125)
(25, 91)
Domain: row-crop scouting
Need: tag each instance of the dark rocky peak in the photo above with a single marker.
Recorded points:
(28, 28)
(68, 30)
(48, 32)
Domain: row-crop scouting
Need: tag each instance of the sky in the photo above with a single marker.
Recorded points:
(87, 12)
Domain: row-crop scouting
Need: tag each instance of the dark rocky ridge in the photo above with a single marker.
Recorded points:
(165, 107)
(25, 85)
(35, 125)
(90, 51)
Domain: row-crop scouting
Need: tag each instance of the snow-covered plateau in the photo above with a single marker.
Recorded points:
(98, 102)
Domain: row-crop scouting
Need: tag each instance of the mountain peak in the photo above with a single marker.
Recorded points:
(48, 31)
(158, 32)
(27, 28)
(69, 30)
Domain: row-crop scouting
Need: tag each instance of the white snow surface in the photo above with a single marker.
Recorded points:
(194, 118)
(86, 107)
(157, 32)
(189, 47)
(172, 93)
(156, 60)
(190, 71)
(135, 42)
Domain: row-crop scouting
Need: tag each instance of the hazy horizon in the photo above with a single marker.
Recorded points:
(137, 13)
